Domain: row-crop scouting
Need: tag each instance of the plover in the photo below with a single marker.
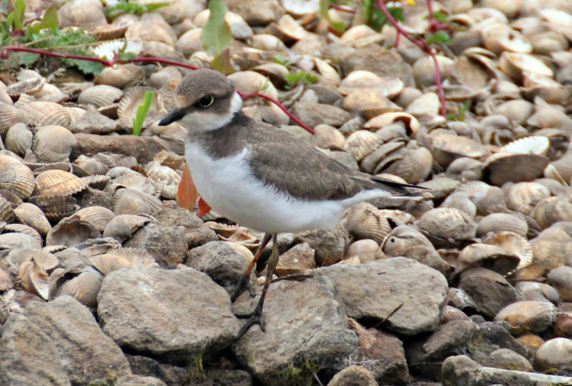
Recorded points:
(259, 176)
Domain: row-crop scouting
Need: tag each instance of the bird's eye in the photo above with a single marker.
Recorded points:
(206, 101)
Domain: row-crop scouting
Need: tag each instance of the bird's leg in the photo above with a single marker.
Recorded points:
(245, 278)
(256, 317)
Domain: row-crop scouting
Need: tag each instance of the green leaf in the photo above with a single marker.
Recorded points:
(376, 19)
(49, 21)
(216, 35)
(222, 62)
(142, 112)
(439, 37)
(325, 14)
(19, 11)
(88, 68)
(441, 17)
(26, 59)
(300, 77)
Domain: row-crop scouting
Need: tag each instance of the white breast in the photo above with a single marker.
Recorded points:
(229, 187)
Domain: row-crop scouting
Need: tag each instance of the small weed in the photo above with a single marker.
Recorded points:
(463, 109)
(196, 370)
(300, 77)
(142, 112)
(133, 8)
(305, 375)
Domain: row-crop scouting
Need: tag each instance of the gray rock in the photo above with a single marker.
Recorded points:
(138, 380)
(353, 376)
(504, 358)
(490, 291)
(220, 261)
(216, 377)
(170, 374)
(461, 370)
(196, 231)
(306, 331)
(60, 343)
(330, 244)
(381, 353)
(165, 243)
(256, 12)
(376, 289)
(491, 336)
(166, 312)
(297, 260)
(93, 122)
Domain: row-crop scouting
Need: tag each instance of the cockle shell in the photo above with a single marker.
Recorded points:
(122, 258)
(33, 216)
(55, 207)
(9, 116)
(84, 287)
(121, 76)
(46, 113)
(528, 316)
(19, 139)
(6, 211)
(498, 222)
(128, 105)
(71, 231)
(513, 243)
(129, 201)
(447, 226)
(361, 80)
(524, 196)
(53, 143)
(97, 216)
(366, 222)
(123, 226)
(16, 177)
(361, 143)
(100, 95)
(53, 183)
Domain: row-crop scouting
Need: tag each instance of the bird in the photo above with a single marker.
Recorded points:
(261, 177)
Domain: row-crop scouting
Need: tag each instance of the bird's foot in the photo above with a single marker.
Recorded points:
(244, 283)
(254, 319)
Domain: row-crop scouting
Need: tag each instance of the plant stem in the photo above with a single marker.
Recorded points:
(421, 44)
(341, 8)
(146, 59)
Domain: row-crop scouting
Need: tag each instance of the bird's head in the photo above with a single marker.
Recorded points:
(206, 100)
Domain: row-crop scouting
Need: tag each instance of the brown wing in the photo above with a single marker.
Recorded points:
(305, 172)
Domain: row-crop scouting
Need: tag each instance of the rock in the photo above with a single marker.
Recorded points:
(93, 122)
(218, 259)
(213, 377)
(380, 61)
(489, 290)
(329, 245)
(256, 12)
(142, 148)
(461, 370)
(166, 312)
(306, 328)
(171, 375)
(561, 279)
(196, 231)
(94, 197)
(314, 114)
(165, 243)
(554, 354)
(382, 354)
(376, 289)
(58, 342)
(493, 335)
(507, 359)
(297, 260)
(353, 376)
(528, 316)
(138, 380)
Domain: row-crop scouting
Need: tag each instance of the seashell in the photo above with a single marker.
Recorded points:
(366, 222)
(251, 81)
(503, 167)
(119, 76)
(361, 36)
(55, 208)
(129, 201)
(558, 21)
(91, 165)
(414, 167)
(517, 110)
(6, 211)
(365, 249)
(238, 26)
(267, 42)
(531, 290)
(424, 70)
(86, 14)
(9, 116)
(562, 166)
(97, 246)
(513, 243)
(452, 313)
(84, 288)
(528, 316)
(53, 143)
(500, 38)
(328, 137)
(53, 183)
(97, 216)
(6, 282)
(361, 143)
(446, 226)
(547, 42)
(554, 354)
(499, 222)
(510, 8)
(190, 41)
(43, 113)
(368, 103)
(551, 210)
(410, 122)
(99, 182)
(151, 28)
(488, 199)
(547, 117)
(31, 215)
(122, 227)
(361, 80)
(460, 201)
(16, 177)
(290, 29)
(19, 139)
(23, 229)
(109, 32)
(111, 49)
(165, 179)
(71, 231)
(128, 105)
(30, 85)
(328, 74)
(516, 64)
(122, 258)
(560, 278)
(34, 279)
(446, 148)
(12, 240)
(465, 169)
(300, 7)
(100, 95)
(524, 196)
(491, 257)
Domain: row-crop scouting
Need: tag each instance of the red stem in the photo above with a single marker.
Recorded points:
(423, 45)
(148, 59)
(341, 8)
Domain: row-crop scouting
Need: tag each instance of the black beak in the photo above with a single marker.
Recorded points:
(173, 116)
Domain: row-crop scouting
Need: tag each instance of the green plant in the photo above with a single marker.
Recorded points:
(305, 375)
(123, 7)
(376, 19)
(142, 112)
(300, 77)
(462, 111)
(216, 36)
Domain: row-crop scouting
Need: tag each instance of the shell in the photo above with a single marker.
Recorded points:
(498, 222)
(97, 216)
(165, 179)
(529, 145)
(531, 290)
(84, 287)
(465, 169)
(16, 177)
(503, 167)
(6, 211)
(123, 226)
(121, 76)
(54, 183)
(491, 257)
(55, 208)
(459, 200)
(554, 354)
(513, 243)
(19, 139)
(250, 81)
(558, 21)
(46, 113)
(328, 74)
(361, 36)
(100, 95)
(368, 103)
(87, 14)
(122, 258)
(53, 143)
(528, 316)
(71, 231)
(386, 119)
(551, 210)
(447, 226)
(9, 116)
(516, 64)
(499, 38)
(361, 80)
(34, 279)
(447, 147)
(562, 166)
(560, 278)
(128, 105)
(129, 201)
(190, 41)
(238, 26)
(361, 143)
(365, 249)
(524, 196)
(366, 222)
(31, 215)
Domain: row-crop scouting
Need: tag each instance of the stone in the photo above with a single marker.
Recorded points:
(165, 243)
(215, 377)
(491, 336)
(94, 197)
(489, 290)
(460, 370)
(554, 354)
(382, 354)
(142, 148)
(58, 342)
(196, 231)
(528, 316)
(297, 260)
(138, 380)
(413, 292)
(218, 259)
(93, 122)
(169, 313)
(170, 374)
(329, 244)
(353, 376)
(256, 12)
(306, 330)
(380, 61)
(504, 358)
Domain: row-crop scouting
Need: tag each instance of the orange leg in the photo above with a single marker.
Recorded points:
(245, 278)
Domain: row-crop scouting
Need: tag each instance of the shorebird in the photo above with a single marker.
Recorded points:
(259, 176)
